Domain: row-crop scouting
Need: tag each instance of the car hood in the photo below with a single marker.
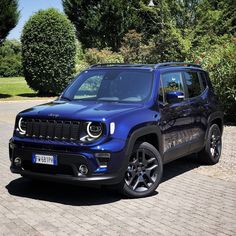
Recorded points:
(80, 110)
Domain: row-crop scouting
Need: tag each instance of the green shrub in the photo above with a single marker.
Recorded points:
(48, 51)
(94, 56)
(220, 61)
(80, 64)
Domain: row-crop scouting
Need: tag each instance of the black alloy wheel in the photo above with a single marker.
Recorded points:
(144, 171)
(212, 151)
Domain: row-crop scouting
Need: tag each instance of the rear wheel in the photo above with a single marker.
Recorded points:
(144, 171)
(212, 151)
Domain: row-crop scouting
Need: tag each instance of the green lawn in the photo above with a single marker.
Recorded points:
(16, 88)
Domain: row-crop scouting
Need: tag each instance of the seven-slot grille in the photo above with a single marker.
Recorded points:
(53, 129)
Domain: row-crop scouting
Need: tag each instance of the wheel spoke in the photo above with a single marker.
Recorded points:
(148, 170)
(136, 184)
(149, 177)
(145, 183)
(134, 163)
(151, 160)
(144, 160)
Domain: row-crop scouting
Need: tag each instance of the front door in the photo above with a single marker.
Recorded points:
(175, 117)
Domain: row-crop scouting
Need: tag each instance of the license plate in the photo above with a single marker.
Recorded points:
(44, 159)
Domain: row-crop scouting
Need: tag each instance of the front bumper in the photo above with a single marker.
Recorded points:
(69, 161)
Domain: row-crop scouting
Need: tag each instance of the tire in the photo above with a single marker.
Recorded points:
(211, 153)
(144, 171)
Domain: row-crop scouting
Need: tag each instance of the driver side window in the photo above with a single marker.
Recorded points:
(170, 82)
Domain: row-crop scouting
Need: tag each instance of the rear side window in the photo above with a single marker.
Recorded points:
(192, 84)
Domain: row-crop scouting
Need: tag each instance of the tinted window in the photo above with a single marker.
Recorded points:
(192, 83)
(89, 88)
(203, 80)
(111, 85)
(170, 82)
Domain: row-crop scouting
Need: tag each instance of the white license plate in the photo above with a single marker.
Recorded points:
(44, 159)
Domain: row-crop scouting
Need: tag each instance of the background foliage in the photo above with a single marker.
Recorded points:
(10, 59)
(9, 16)
(101, 23)
(200, 31)
(48, 51)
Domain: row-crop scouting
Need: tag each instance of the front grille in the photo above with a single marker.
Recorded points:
(53, 129)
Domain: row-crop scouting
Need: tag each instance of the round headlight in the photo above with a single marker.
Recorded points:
(22, 126)
(94, 129)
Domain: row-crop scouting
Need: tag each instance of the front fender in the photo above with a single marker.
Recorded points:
(139, 132)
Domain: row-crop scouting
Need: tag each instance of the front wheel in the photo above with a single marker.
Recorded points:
(144, 171)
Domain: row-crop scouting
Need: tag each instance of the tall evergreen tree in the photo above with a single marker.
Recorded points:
(101, 23)
(9, 16)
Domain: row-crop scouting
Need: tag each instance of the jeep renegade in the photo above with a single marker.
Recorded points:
(117, 124)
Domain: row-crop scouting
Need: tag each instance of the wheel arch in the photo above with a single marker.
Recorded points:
(216, 118)
(150, 134)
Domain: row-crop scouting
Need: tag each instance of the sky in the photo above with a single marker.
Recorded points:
(28, 8)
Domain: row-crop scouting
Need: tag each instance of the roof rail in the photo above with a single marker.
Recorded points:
(159, 65)
(155, 66)
(117, 64)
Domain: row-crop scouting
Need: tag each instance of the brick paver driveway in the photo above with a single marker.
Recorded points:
(192, 199)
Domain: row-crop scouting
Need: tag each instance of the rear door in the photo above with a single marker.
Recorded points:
(175, 118)
(197, 97)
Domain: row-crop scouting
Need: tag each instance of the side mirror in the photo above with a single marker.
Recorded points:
(174, 96)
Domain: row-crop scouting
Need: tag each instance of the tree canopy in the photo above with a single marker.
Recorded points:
(101, 23)
(9, 16)
(48, 51)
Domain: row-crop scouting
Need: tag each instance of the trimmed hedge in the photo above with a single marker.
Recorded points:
(48, 51)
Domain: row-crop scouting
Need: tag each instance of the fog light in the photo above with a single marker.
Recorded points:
(103, 158)
(83, 170)
(17, 161)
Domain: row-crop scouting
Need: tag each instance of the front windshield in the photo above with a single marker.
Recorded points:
(112, 85)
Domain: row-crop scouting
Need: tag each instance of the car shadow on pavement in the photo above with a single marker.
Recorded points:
(81, 196)
(61, 193)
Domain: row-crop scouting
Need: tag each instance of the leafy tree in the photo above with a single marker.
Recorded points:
(169, 45)
(134, 50)
(48, 51)
(10, 58)
(9, 16)
(154, 19)
(95, 56)
(220, 60)
(101, 23)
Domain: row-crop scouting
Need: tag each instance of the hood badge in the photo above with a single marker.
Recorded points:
(53, 115)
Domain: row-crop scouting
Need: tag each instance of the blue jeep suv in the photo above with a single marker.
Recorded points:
(117, 124)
